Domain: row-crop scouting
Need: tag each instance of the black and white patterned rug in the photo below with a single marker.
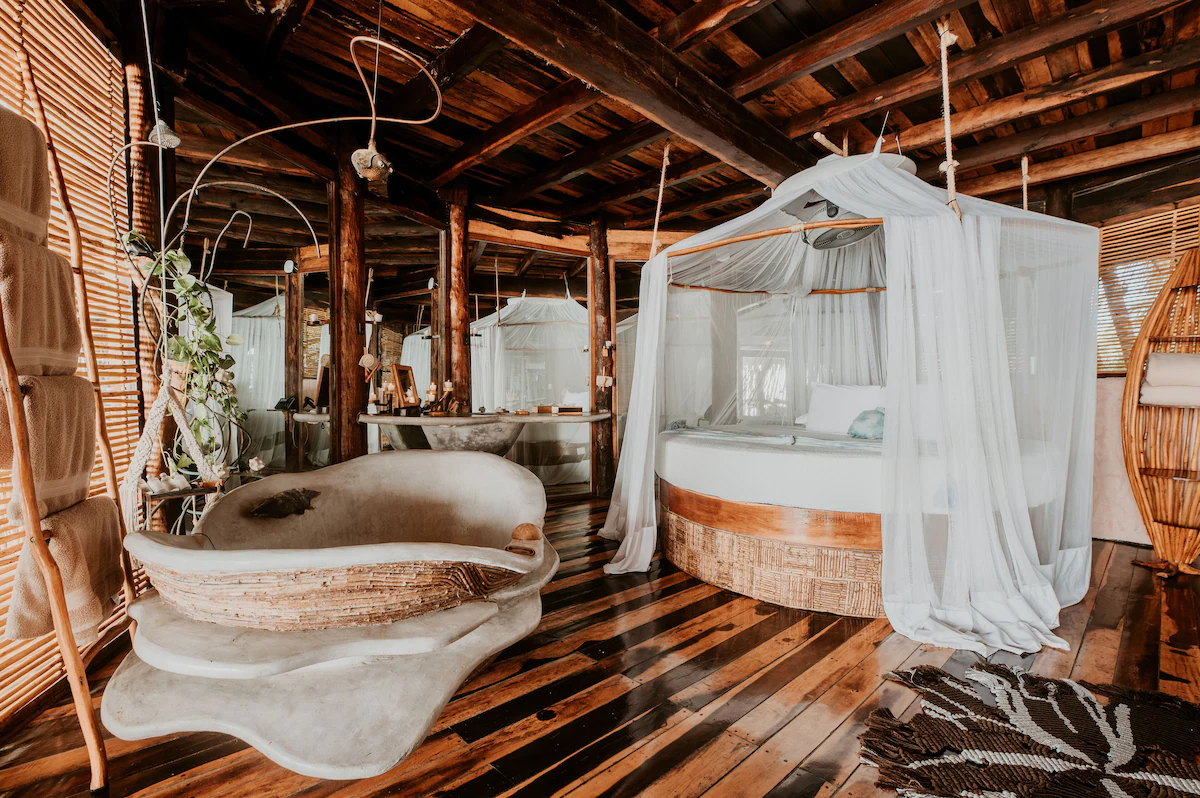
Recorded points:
(1002, 733)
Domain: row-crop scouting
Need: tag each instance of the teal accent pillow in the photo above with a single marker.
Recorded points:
(869, 424)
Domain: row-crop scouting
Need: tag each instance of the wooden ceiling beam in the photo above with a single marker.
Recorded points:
(417, 202)
(593, 41)
(846, 39)
(588, 157)
(1095, 18)
(552, 229)
(1097, 123)
(564, 100)
(286, 17)
(706, 18)
(1052, 96)
(699, 202)
(683, 171)
(477, 254)
(1147, 148)
(1158, 184)
(527, 261)
(451, 66)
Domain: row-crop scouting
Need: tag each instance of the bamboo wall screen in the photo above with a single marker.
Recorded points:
(1136, 258)
(81, 86)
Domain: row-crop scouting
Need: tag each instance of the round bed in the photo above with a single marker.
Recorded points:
(788, 515)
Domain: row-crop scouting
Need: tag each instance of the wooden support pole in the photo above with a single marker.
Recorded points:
(348, 309)
(458, 311)
(293, 362)
(144, 200)
(600, 314)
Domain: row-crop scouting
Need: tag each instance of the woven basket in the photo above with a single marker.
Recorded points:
(327, 598)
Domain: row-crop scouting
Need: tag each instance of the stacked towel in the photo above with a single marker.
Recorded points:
(1172, 368)
(1171, 395)
(38, 292)
(24, 178)
(86, 543)
(60, 413)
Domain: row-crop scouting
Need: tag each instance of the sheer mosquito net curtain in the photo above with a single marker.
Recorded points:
(535, 352)
(985, 339)
(258, 376)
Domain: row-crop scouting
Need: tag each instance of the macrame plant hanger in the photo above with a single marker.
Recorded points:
(73, 661)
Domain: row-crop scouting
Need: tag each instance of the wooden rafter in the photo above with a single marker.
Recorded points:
(584, 160)
(693, 26)
(594, 42)
(696, 166)
(1097, 17)
(526, 262)
(848, 38)
(1058, 94)
(462, 57)
(286, 17)
(700, 202)
(1097, 123)
(1144, 149)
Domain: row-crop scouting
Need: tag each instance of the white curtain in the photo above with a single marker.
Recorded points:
(415, 352)
(987, 346)
(535, 352)
(258, 376)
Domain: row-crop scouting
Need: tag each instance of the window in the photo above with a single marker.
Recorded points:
(1136, 258)
(81, 85)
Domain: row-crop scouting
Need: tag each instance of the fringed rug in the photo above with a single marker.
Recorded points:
(1043, 737)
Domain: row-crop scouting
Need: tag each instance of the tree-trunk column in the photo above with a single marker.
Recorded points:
(293, 362)
(600, 312)
(348, 309)
(457, 349)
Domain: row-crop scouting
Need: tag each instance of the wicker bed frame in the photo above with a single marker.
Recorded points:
(807, 559)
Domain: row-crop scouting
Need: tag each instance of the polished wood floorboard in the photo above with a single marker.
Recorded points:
(651, 684)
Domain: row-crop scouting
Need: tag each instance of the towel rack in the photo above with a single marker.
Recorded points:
(73, 662)
(1162, 444)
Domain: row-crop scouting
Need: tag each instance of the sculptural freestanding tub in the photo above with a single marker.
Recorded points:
(331, 639)
(372, 548)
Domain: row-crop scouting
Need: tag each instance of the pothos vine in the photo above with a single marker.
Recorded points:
(198, 357)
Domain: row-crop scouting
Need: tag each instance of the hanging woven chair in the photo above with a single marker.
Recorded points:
(1162, 443)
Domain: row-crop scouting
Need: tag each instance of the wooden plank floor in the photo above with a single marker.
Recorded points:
(650, 685)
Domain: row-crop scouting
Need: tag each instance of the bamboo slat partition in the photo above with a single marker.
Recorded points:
(81, 100)
(1162, 444)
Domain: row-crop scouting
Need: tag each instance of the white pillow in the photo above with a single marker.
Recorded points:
(833, 408)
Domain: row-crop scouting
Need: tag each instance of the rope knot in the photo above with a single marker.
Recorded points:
(945, 166)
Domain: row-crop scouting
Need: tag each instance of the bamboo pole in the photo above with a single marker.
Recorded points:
(31, 517)
(798, 227)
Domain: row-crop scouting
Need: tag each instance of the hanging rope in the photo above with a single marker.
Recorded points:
(945, 39)
(662, 185)
(1025, 182)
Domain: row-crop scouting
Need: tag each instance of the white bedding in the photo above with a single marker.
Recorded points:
(792, 467)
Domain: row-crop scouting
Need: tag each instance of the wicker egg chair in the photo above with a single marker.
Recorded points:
(1162, 444)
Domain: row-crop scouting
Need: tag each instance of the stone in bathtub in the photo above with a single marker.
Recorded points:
(293, 501)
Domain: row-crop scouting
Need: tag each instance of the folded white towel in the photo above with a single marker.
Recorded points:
(1172, 368)
(24, 177)
(60, 413)
(1171, 395)
(85, 542)
(38, 291)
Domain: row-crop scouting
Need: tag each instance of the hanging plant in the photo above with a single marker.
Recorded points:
(200, 364)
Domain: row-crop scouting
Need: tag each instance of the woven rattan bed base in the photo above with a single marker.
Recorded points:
(328, 597)
(826, 579)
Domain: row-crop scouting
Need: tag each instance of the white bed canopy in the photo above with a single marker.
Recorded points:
(533, 352)
(258, 376)
(985, 340)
